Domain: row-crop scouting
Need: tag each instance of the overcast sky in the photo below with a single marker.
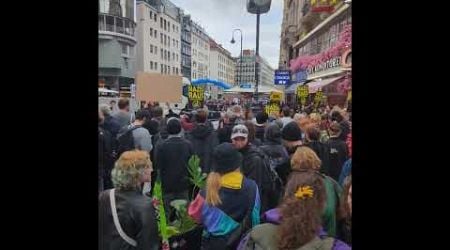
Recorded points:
(220, 17)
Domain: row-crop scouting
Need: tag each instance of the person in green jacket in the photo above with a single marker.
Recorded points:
(305, 159)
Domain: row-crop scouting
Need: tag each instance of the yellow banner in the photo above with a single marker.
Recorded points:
(302, 93)
(272, 108)
(275, 97)
(196, 95)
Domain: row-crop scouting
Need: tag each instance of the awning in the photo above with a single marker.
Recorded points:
(293, 88)
(261, 89)
(314, 86)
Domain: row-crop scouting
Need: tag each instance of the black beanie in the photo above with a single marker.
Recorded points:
(173, 126)
(291, 132)
(226, 158)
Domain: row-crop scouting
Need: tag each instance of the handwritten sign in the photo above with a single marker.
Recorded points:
(196, 95)
(275, 97)
(272, 108)
(318, 98)
(302, 93)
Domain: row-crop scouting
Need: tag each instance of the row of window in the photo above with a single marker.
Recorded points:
(165, 69)
(164, 24)
(165, 55)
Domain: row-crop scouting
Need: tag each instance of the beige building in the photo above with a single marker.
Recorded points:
(200, 52)
(221, 63)
(158, 35)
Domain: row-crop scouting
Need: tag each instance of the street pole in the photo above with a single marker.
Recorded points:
(240, 62)
(256, 58)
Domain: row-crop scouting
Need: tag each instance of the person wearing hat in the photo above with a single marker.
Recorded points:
(276, 152)
(338, 151)
(292, 137)
(229, 205)
(171, 162)
(253, 162)
(260, 125)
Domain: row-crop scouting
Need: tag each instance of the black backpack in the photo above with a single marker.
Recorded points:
(126, 141)
(272, 183)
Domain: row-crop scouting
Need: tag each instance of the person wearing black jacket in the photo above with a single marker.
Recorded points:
(135, 212)
(338, 151)
(105, 155)
(260, 126)
(171, 161)
(343, 123)
(276, 152)
(322, 150)
(204, 139)
(225, 127)
(253, 163)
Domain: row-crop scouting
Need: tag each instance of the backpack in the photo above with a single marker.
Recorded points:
(272, 184)
(126, 141)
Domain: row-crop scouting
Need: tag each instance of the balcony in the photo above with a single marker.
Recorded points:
(115, 25)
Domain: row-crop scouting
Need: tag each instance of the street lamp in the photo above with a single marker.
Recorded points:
(257, 7)
(240, 57)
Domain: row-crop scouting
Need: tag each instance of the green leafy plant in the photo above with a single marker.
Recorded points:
(184, 223)
(197, 178)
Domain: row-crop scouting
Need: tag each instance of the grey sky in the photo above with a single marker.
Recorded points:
(220, 17)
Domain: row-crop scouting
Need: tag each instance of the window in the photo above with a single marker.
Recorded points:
(168, 41)
(165, 24)
(151, 31)
(124, 49)
(151, 65)
(155, 18)
(151, 48)
(168, 56)
(156, 50)
(162, 54)
(165, 39)
(168, 26)
(173, 56)
(161, 20)
(156, 34)
(162, 68)
(165, 69)
(173, 42)
(161, 34)
(173, 27)
(168, 69)
(151, 15)
(156, 66)
(177, 57)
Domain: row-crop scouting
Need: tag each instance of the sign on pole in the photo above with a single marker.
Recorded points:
(282, 77)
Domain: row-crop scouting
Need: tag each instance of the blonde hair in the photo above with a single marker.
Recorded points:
(129, 168)
(315, 118)
(305, 158)
(212, 189)
(303, 122)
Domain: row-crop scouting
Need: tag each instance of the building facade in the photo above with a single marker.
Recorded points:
(266, 73)
(323, 56)
(186, 41)
(221, 63)
(116, 44)
(159, 37)
(199, 52)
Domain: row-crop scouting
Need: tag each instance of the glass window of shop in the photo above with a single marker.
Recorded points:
(110, 23)
(119, 25)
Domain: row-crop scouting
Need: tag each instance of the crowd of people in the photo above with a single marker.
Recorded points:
(273, 181)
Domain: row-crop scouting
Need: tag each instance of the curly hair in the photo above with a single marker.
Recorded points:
(129, 168)
(301, 217)
(344, 210)
(305, 158)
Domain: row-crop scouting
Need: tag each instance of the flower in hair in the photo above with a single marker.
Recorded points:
(304, 191)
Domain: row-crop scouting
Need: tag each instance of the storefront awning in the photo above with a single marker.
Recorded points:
(315, 86)
(292, 89)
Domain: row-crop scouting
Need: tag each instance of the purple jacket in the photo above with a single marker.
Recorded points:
(273, 216)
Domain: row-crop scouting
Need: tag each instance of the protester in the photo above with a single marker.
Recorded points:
(126, 217)
(252, 133)
(277, 153)
(323, 126)
(105, 155)
(186, 122)
(140, 137)
(157, 117)
(296, 223)
(253, 166)
(113, 106)
(237, 111)
(305, 159)
(230, 203)
(204, 139)
(345, 125)
(110, 123)
(171, 161)
(322, 150)
(286, 116)
(345, 218)
(260, 125)
(292, 137)
(225, 127)
(338, 151)
(123, 115)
